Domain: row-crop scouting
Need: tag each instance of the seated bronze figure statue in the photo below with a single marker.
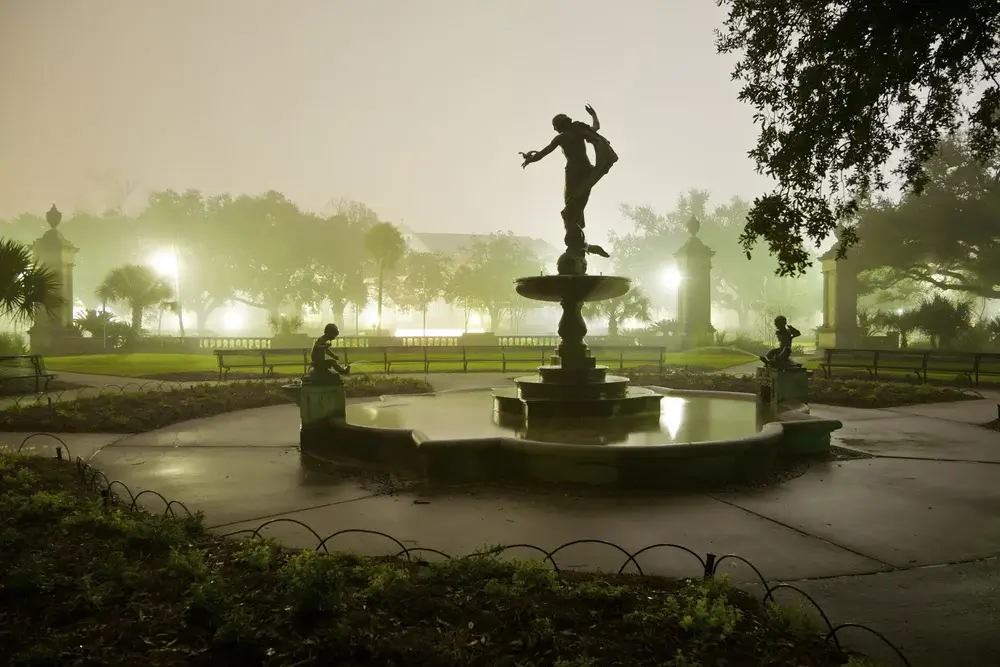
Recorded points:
(324, 362)
(780, 357)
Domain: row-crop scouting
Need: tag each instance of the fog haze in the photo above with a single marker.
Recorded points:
(416, 108)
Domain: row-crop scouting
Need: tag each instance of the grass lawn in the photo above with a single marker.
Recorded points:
(374, 361)
(84, 583)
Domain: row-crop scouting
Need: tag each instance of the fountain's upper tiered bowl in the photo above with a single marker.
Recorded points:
(572, 288)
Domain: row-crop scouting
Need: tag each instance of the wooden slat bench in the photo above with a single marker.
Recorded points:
(29, 367)
(872, 361)
(971, 365)
(265, 360)
(987, 365)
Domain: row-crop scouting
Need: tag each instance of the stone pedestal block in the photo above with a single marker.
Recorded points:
(777, 386)
(320, 402)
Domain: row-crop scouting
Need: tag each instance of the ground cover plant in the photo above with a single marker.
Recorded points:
(134, 412)
(848, 392)
(26, 387)
(193, 367)
(104, 585)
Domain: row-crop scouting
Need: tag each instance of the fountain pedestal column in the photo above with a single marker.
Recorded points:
(573, 353)
(573, 385)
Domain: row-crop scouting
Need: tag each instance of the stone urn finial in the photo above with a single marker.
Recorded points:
(53, 217)
(694, 226)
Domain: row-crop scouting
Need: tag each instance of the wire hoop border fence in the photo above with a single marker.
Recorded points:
(115, 492)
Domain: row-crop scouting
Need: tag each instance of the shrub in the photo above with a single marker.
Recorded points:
(12, 344)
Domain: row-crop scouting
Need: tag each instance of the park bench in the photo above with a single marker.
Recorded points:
(971, 365)
(635, 356)
(987, 364)
(872, 361)
(955, 363)
(427, 356)
(265, 360)
(465, 355)
(25, 367)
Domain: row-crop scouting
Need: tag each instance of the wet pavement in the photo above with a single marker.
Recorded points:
(905, 542)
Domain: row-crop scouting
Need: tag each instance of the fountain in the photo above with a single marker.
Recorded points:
(572, 421)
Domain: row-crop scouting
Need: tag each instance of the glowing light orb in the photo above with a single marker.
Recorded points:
(671, 277)
(164, 262)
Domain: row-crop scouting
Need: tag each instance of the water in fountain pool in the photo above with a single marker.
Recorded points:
(469, 414)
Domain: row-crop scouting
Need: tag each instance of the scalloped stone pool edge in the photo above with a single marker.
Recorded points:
(790, 433)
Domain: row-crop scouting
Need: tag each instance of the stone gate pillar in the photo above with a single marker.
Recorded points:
(53, 251)
(694, 299)
(840, 301)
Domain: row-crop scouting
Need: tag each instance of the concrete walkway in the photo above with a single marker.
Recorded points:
(906, 542)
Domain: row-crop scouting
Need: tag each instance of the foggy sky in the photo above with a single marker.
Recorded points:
(416, 107)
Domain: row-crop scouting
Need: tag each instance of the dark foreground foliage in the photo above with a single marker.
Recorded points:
(848, 392)
(136, 412)
(83, 583)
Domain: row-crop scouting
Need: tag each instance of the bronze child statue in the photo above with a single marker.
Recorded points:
(581, 177)
(323, 359)
(780, 357)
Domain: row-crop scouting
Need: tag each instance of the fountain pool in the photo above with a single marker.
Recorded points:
(466, 414)
(695, 438)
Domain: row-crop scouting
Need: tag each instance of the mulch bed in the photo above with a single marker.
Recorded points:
(847, 392)
(18, 388)
(208, 376)
(82, 584)
(137, 412)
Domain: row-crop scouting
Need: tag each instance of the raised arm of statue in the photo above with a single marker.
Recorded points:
(535, 156)
(795, 332)
(595, 123)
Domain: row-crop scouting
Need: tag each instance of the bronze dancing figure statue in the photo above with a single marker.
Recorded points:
(581, 177)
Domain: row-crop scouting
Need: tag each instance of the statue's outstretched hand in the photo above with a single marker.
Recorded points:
(590, 110)
(529, 157)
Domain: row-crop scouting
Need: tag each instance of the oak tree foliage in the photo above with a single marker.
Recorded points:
(841, 88)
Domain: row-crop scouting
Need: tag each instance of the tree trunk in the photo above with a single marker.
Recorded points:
(200, 317)
(180, 318)
(159, 324)
(337, 308)
(468, 314)
(612, 326)
(137, 318)
(381, 276)
(494, 319)
(357, 320)
(424, 314)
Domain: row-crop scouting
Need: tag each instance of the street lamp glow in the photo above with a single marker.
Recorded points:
(164, 262)
(233, 319)
(671, 277)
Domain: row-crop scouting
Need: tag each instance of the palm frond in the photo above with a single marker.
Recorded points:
(25, 286)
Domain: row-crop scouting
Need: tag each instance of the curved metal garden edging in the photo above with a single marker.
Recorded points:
(708, 566)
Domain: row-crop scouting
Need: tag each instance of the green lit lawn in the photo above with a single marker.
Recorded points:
(373, 361)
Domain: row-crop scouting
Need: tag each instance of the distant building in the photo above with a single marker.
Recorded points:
(458, 245)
